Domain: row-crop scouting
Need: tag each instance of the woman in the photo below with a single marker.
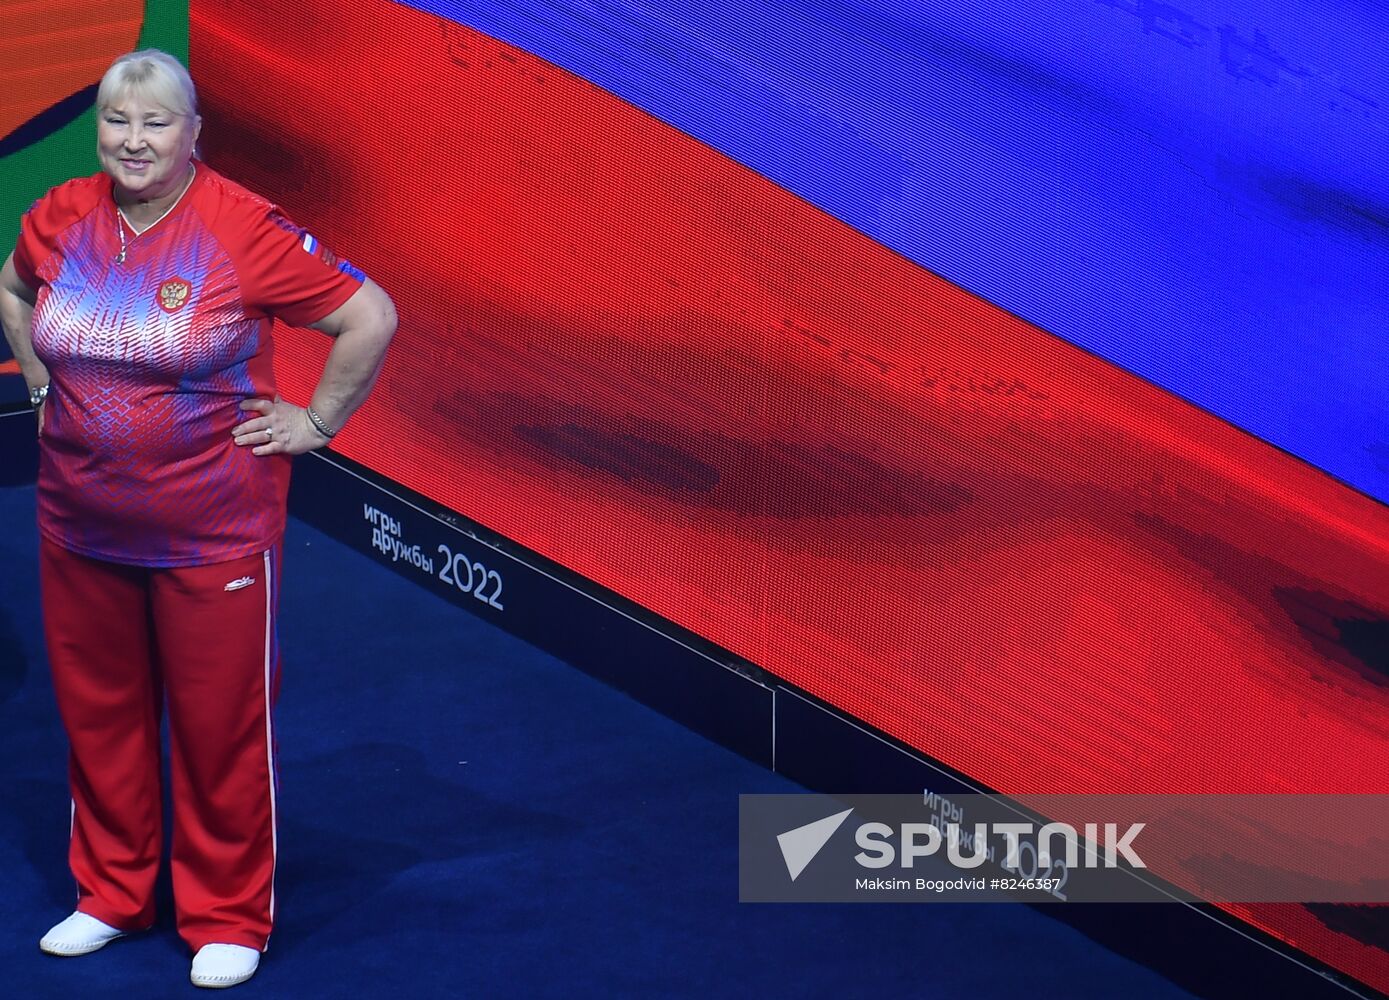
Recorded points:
(138, 303)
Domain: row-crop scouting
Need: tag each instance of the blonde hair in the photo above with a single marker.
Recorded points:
(154, 75)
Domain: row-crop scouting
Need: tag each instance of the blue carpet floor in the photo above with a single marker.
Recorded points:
(462, 815)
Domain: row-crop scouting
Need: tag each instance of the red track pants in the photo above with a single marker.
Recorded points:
(120, 640)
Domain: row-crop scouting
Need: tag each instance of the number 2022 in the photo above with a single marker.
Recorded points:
(475, 583)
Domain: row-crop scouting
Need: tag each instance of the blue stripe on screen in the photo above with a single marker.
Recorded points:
(1194, 193)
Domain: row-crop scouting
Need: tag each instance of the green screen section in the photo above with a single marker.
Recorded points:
(71, 150)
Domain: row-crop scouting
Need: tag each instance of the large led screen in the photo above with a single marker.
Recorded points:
(641, 358)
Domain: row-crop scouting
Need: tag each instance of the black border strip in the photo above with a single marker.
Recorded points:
(19, 445)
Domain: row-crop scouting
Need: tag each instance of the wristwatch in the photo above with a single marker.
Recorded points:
(37, 395)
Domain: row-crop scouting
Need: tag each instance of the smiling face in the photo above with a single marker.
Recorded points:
(145, 147)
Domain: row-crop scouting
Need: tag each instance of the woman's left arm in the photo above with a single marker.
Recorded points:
(362, 328)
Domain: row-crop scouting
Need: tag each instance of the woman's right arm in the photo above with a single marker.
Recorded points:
(17, 316)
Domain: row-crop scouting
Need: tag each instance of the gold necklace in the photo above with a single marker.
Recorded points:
(120, 229)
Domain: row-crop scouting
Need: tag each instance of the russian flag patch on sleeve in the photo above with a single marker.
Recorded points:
(314, 248)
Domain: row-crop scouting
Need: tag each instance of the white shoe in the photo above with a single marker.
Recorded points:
(79, 934)
(217, 966)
